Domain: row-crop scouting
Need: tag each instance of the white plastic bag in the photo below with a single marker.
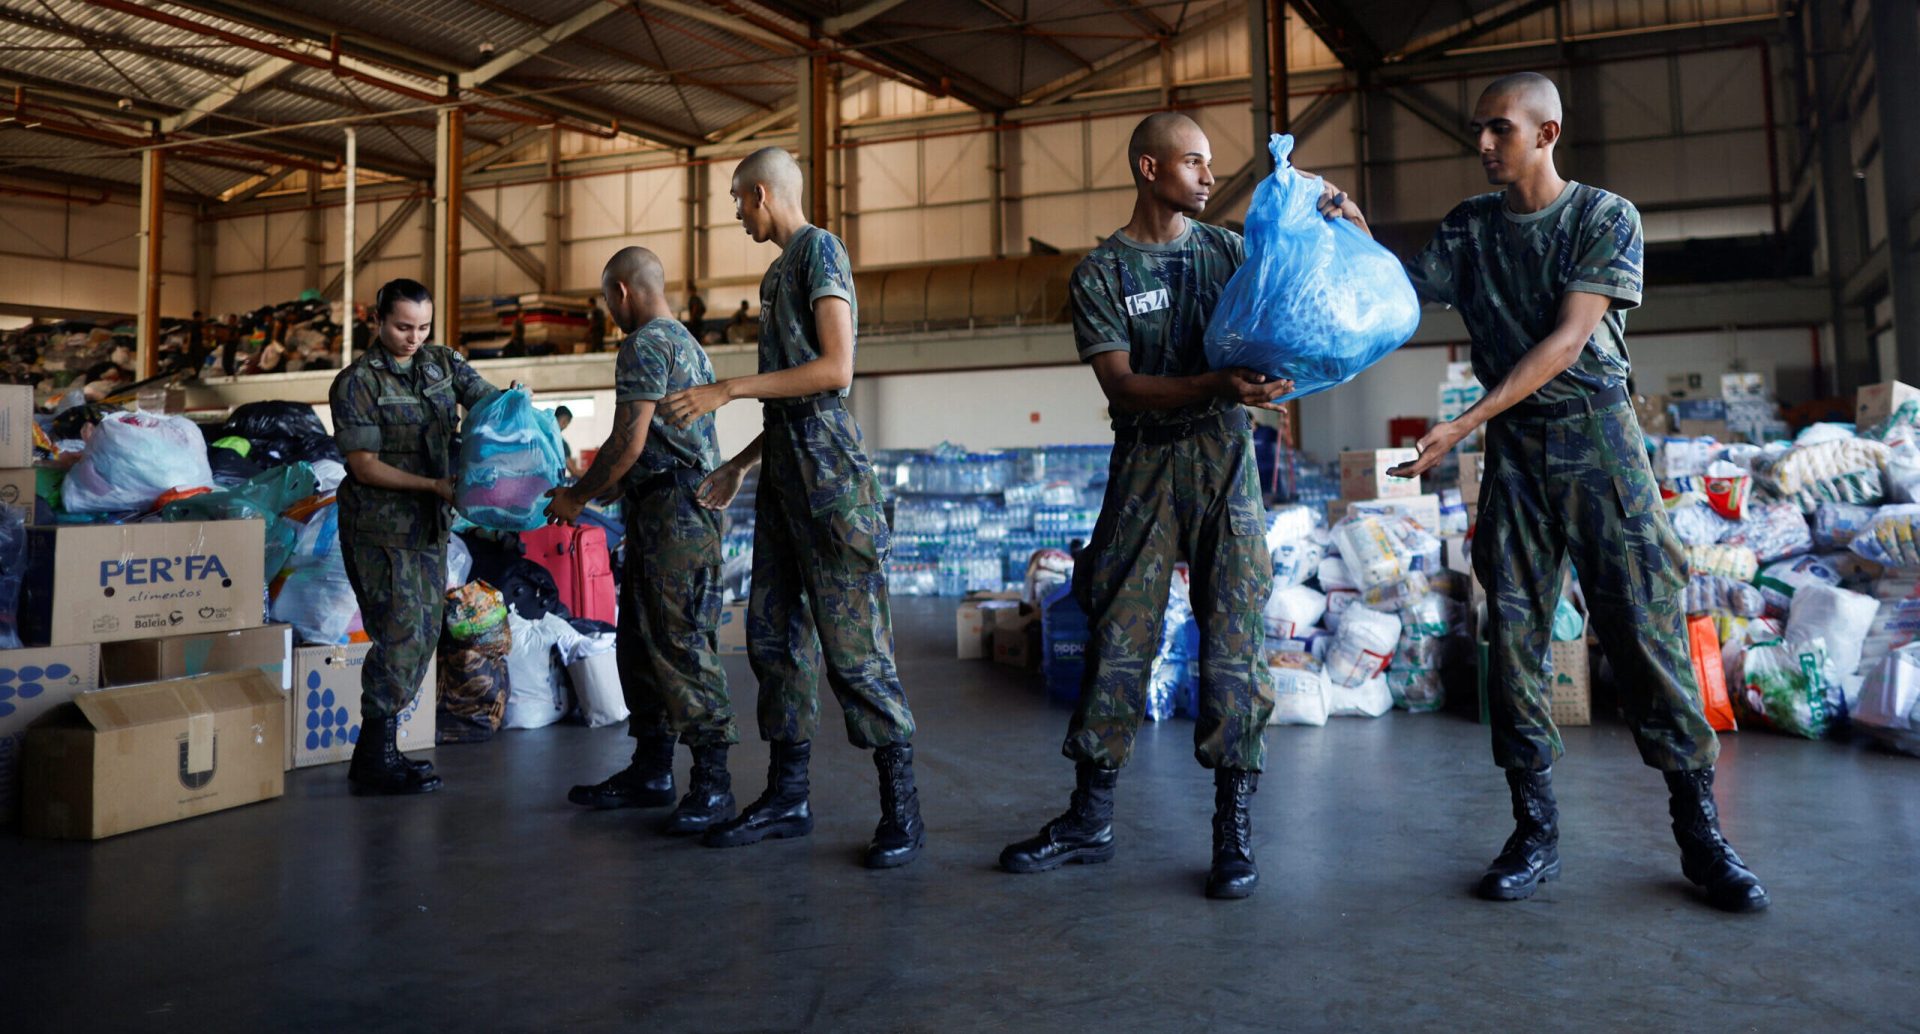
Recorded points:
(536, 696)
(1334, 576)
(1299, 696)
(1362, 647)
(1789, 688)
(1839, 617)
(133, 459)
(1295, 562)
(596, 685)
(1889, 705)
(316, 598)
(1374, 555)
(1779, 580)
(459, 562)
(327, 475)
(1370, 699)
(1413, 677)
(1293, 609)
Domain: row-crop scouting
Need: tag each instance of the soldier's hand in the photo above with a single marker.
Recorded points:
(719, 488)
(1335, 204)
(444, 489)
(1252, 388)
(565, 506)
(1434, 446)
(682, 408)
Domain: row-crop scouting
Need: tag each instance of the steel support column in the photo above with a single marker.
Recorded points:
(447, 200)
(690, 219)
(204, 231)
(316, 235)
(153, 218)
(1895, 34)
(349, 247)
(556, 215)
(1842, 214)
(1260, 70)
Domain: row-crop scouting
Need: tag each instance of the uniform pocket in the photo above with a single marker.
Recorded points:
(834, 473)
(1637, 493)
(1245, 513)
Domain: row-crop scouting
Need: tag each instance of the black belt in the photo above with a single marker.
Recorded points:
(1232, 422)
(787, 414)
(1571, 407)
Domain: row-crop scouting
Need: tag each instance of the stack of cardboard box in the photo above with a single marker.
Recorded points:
(1367, 488)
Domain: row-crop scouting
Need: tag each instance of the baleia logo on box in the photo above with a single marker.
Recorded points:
(160, 570)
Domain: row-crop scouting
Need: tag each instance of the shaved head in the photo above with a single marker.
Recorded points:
(637, 268)
(1163, 134)
(1535, 93)
(772, 168)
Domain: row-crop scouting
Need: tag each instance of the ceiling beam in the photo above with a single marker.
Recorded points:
(1340, 31)
(1128, 58)
(1052, 44)
(582, 20)
(857, 17)
(769, 40)
(1470, 29)
(478, 158)
(266, 182)
(1447, 122)
(225, 94)
(516, 252)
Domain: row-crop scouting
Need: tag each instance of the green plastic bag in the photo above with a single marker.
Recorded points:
(1787, 686)
(264, 497)
(1568, 623)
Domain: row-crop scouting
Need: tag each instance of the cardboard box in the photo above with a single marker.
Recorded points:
(18, 485)
(733, 629)
(1743, 386)
(134, 581)
(1017, 646)
(1651, 412)
(1874, 403)
(1423, 509)
(33, 682)
(323, 714)
(268, 648)
(973, 623)
(1714, 429)
(16, 425)
(138, 756)
(1457, 555)
(1363, 475)
(1473, 466)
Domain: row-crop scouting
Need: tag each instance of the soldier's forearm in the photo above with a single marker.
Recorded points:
(747, 457)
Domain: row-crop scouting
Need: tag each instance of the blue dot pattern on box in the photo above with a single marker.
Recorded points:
(327, 722)
(27, 683)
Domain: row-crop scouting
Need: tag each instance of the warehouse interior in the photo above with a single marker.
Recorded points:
(202, 197)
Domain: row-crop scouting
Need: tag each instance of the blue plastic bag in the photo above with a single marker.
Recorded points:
(1317, 300)
(510, 457)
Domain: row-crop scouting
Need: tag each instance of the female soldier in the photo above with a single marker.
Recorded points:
(394, 415)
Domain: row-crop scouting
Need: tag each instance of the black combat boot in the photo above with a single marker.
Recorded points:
(709, 799)
(378, 768)
(646, 783)
(1706, 858)
(1532, 854)
(778, 813)
(900, 835)
(1084, 834)
(1233, 874)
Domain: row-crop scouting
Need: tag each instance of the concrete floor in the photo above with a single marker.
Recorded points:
(494, 905)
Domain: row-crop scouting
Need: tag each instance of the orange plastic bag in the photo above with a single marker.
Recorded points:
(1703, 641)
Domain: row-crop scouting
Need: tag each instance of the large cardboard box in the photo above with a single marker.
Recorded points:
(1651, 412)
(138, 756)
(110, 582)
(733, 628)
(16, 425)
(268, 648)
(1874, 403)
(33, 682)
(1422, 509)
(1714, 429)
(1363, 475)
(323, 714)
(1572, 683)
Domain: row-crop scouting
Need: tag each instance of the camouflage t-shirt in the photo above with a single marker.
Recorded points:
(1507, 274)
(813, 266)
(1153, 301)
(656, 360)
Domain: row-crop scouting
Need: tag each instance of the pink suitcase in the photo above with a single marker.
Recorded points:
(577, 558)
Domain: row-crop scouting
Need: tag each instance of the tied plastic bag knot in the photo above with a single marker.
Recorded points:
(1317, 300)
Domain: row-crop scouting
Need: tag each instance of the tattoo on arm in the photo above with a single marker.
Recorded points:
(607, 463)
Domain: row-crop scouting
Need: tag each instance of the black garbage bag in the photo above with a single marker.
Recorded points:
(275, 419)
(230, 468)
(309, 449)
(531, 591)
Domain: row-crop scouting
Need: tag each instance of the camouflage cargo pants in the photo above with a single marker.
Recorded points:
(819, 600)
(667, 647)
(402, 594)
(1580, 487)
(1196, 500)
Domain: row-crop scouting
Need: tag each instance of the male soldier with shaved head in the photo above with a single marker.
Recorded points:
(1182, 486)
(819, 599)
(1543, 272)
(666, 647)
